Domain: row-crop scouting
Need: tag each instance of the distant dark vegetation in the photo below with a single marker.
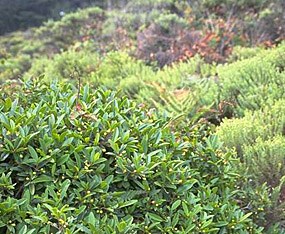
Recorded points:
(21, 14)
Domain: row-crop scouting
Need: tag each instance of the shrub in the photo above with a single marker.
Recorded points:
(188, 89)
(251, 3)
(259, 140)
(255, 82)
(260, 20)
(187, 102)
(240, 53)
(95, 163)
(64, 65)
(50, 39)
(118, 68)
(263, 124)
(13, 68)
(185, 73)
(265, 159)
(55, 36)
(59, 35)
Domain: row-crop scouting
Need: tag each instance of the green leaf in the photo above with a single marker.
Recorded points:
(53, 169)
(206, 224)
(85, 93)
(243, 218)
(158, 137)
(182, 189)
(62, 159)
(221, 224)
(145, 144)
(4, 120)
(128, 203)
(23, 230)
(8, 103)
(21, 201)
(64, 187)
(100, 160)
(97, 138)
(122, 226)
(190, 227)
(149, 156)
(84, 229)
(115, 135)
(185, 208)
(33, 153)
(175, 219)
(155, 217)
(32, 189)
(49, 207)
(31, 231)
(175, 205)
(80, 210)
(59, 119)
(68, 141)
(91, 218)
(114, 146)
(42, 178)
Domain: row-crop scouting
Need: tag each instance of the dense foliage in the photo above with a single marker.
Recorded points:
(97, 162)
(167, 117)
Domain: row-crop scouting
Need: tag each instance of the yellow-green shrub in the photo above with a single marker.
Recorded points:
(64, 65)
(117, 66)
(259, 139)
(240, 53)
(13, 67)
(263, 124)
(255, 82)
(265, 159)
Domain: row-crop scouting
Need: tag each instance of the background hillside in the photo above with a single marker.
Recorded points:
(142, 116)
(20, 15)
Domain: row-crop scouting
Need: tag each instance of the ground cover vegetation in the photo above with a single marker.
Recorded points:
(145, 117)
